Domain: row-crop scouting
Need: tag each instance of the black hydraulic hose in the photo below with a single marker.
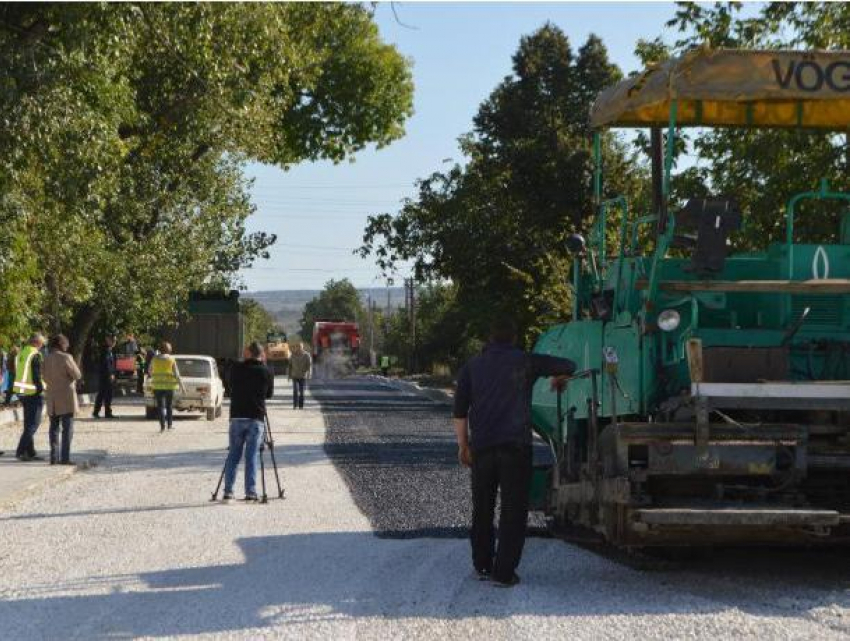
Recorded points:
(810, 365)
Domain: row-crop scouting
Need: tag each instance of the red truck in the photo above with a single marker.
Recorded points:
(125, 363)
(336, 346)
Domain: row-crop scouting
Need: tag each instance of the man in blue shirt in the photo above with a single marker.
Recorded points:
(493, 402)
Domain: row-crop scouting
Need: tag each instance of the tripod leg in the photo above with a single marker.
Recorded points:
(276, 473)
(270, 441)
(264, 498)
(220, 479)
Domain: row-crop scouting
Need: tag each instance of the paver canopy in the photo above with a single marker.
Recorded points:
(733, 87)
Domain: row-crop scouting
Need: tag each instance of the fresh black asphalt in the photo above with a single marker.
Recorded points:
(397, 454)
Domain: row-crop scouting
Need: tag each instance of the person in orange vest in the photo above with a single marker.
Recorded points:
(29, 387)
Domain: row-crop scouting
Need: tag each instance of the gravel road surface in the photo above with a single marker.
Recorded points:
(134, 548)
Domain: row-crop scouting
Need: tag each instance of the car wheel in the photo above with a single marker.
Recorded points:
(150, 413)
(218, 410)
(211, 414)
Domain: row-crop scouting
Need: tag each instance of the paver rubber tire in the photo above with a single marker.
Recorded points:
(211, 414)
(150, 413)
(218, 410)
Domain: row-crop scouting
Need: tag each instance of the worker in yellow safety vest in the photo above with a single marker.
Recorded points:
(29, 387)
(165, 380)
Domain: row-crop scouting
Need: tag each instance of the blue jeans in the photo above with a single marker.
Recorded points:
(164, 406)
(245, 433)
(298, 393)
(33, 406)
(66, 422)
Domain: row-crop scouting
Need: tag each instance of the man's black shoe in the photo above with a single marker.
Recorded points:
(95, 415)
(483, 575)
(67, 463)
(227, 496)
(251, 497)
(511, 582)
(110, 415)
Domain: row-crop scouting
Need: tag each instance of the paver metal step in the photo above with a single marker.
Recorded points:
(738, 516)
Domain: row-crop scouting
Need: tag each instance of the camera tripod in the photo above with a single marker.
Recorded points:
(268, 440)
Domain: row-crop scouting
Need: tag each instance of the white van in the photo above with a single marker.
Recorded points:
(204, 390)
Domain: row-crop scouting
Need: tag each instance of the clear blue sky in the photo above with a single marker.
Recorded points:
(460, 52)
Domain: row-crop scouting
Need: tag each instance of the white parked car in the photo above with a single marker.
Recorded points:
(204, 390)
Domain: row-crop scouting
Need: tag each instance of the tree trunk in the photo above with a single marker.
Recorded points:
(80, 330)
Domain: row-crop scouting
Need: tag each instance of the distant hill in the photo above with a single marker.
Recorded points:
(288, 305)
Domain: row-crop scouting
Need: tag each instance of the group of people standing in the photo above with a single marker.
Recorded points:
(50, 382)
(47, 379)
(491, 419)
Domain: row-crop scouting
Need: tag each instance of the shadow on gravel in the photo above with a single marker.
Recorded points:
(189, 462)
(317, 578)
(322, 387)
(103, 512)
(448, 532)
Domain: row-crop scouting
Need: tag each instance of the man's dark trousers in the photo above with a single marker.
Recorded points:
(65, 424)
(506, 468)
(298, 393)
(32, 406)
(104, 397)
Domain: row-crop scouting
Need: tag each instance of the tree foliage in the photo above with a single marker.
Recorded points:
(258, 320)
(338, 301)
(443, 334)
(764, 168)
(126, 128)
(496, 227)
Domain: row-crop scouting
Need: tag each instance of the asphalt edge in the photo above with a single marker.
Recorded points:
(439, 396)
(92, 460)
(12, 415)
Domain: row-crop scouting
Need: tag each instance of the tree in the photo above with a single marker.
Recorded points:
(258, 321)
(443, 335)
(126, 128)
(496, 227)
(762, 168)
(338, 301)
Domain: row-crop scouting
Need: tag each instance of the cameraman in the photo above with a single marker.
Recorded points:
(251, 383)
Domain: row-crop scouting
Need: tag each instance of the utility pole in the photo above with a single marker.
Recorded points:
(371, 312)
(410, 306)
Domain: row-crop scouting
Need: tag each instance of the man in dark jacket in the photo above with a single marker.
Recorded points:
(493, 402)
(105, 379)
(251, 384)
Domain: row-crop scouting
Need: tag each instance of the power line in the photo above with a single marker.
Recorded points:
(320, 247)
(300, 200)
(319, 215)
(337, 186)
